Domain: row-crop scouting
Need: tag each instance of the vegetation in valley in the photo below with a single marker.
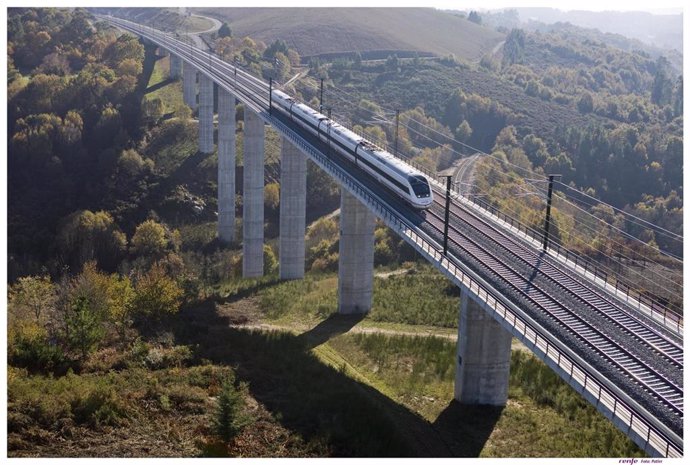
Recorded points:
(125, 311)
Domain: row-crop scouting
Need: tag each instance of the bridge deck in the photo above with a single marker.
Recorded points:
(628, 360)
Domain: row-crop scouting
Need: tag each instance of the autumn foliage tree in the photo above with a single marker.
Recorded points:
(156, 294)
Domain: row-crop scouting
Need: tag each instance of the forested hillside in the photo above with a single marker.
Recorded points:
(608, 120)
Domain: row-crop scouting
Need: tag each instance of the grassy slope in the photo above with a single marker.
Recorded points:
(163, 18)
(543, 418)
(314, 31)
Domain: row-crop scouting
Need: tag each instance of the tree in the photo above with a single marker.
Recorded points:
(121, 296)
(270, 260)
(156, 294)
(229, 419)
(84, 329)
(514, 47)
(272, 195)
(32, 295)
(662, 87)
(474, 17)
(278, 46)
(131, 164)
(393, 63)
(463, 132)
(149, 239)
(225, 31)
(85, 235)
(586, 103)
(152, 110)
(678, 100)
(129, 67)
(282, 67)
(294, 58)
(366, 111)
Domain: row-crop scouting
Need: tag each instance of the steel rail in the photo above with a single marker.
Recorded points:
(578, 327)
(669, 347)
(626, 413)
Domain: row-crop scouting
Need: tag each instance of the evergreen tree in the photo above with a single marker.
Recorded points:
(229, 419)
(225, 31)
(84, 328)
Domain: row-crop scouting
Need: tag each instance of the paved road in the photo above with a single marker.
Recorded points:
(196, 36)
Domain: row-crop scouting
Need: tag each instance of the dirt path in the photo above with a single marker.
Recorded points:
(246, 314)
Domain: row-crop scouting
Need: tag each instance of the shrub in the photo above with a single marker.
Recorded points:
(29, 347)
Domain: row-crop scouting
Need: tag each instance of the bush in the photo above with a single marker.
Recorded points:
(99, 406)
(83, 399)
(29, 347)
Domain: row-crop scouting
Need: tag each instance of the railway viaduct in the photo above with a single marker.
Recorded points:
(483, 345)
(488, 319)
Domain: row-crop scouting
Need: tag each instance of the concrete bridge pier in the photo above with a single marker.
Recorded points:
(293, 202)
(226, 165)
(356, 261)
(189, 73)
(205, 114)
(483, 362)
(253, 199)
(175, 66)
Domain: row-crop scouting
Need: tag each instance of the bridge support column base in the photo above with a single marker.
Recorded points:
(293, 201)
(356, 261)
(226, 165)
(483, 357)
(253, 199)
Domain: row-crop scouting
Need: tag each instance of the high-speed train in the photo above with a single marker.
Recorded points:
(408, 183)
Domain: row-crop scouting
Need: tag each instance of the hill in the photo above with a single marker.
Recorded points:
(317, 31)
(664, 31)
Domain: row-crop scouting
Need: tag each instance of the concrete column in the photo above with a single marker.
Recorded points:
(205, 114)
(253, 200)
(483, 363)
(293, 202)
(175, 66)
(189, 73)
(162, 52)
(226, 165)
(356, 262)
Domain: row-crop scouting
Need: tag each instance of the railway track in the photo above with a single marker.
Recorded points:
(645, 366)
(655, 363)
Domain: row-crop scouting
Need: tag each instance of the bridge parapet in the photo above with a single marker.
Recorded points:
(648, 432)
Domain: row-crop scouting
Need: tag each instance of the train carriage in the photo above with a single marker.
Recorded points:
(405, 181)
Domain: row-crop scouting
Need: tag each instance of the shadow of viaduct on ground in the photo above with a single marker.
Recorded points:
(323, 404)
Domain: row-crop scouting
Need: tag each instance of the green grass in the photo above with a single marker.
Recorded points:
(420, 298)
(544, 417)
(171, 93)
(196, 24)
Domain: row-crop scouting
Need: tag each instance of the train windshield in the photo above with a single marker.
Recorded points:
(420, 186)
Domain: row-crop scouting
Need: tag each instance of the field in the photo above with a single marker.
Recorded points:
(361, 29)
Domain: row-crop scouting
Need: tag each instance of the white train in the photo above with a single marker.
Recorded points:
(408, 183)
